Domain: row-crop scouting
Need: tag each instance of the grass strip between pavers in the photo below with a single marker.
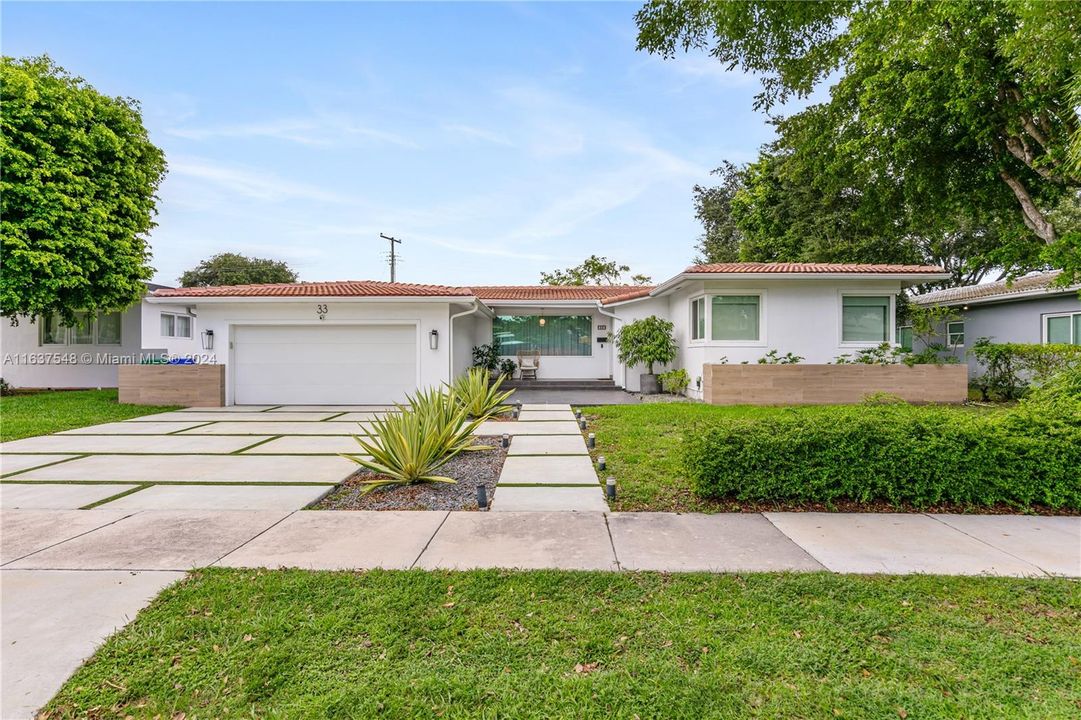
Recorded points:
(257, 444)
(557, 644)
(117, 496)
(13, 473)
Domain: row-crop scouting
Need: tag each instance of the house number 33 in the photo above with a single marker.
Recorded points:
(321, 311)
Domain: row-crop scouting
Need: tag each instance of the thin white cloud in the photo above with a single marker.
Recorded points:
(477, 133)
(322, 131)
(251, 183)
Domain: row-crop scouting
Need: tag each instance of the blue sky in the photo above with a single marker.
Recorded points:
(498, 140)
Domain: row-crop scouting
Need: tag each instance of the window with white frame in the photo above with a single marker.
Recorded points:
(955, 333)
(735, 317)
(865, 318)
(175, 325)
(101, 329)
(1064, 328)
(698, 318)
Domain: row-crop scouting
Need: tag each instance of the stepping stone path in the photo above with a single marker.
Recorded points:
(551, 469)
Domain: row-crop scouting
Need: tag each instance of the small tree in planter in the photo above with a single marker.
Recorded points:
(647, 341)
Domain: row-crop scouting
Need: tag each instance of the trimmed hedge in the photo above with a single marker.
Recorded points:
(901, 454)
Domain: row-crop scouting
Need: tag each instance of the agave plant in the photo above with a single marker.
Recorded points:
(480, 399)
(409, 446)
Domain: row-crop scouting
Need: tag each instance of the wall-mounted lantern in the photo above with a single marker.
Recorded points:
(208, 339)
(433, 339)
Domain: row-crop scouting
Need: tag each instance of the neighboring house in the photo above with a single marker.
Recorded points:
(43, 353)
(362, 342)
(1030, 309)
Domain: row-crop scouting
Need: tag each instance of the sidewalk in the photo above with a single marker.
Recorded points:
(114, 539)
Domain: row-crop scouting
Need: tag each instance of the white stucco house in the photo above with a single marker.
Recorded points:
(362, 342)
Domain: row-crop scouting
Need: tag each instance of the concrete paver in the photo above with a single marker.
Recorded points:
(279, 428)
(229, 409)
(197, 468)
(1051, 543)
(53, 620)
(27, 531)
(545, 415)
(894, 543)
(704, 543)
(577, 398)
(212, 416)
(63, 496)
(130, 428)
(330, 540)
(220, 497)
(155, 540)
(547, 445)
(544, 406)
(530, 540)
(10, 464)
(548, 470)
(497, 427)
(518, 499)
(358, 416)
(307, 445)
(138, 444)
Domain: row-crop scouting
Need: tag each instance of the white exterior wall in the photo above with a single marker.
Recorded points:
(629, 377)
(595, 366)
(433, 366)
(29, 364)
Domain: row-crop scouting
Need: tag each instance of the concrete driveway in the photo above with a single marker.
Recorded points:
(233, 458)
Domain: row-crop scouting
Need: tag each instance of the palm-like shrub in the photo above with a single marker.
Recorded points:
(409, 446)
(480, 398)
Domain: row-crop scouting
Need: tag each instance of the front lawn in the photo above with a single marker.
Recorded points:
(292, 644)
(642, 446)
(30, 414)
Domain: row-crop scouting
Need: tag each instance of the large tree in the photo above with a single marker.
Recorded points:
(951, 106)
(234, 269)
(721, 237)
(77, 195)
(594, 271)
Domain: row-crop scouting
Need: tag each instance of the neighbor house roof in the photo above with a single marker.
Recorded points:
(1035, 284)
(335, 288)
(803, 268)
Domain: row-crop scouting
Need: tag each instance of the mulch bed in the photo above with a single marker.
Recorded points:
(469, 469)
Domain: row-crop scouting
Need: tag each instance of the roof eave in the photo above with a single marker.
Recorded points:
(214, 299)
(1000, 298)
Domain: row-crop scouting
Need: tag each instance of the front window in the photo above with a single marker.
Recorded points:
(955, 333)
(53, 331)
(734, 317)
(82, 333)
(865, 318)
(1063, 329)
(904, 338)
(175, 325)
(698, 319)
(568, 335)
(99, 329)
(109, 329)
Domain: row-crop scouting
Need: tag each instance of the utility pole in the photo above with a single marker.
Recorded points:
(393, 256)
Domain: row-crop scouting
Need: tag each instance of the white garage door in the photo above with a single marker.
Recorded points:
(324, 364)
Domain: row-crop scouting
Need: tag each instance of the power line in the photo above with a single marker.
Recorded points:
(393, 256)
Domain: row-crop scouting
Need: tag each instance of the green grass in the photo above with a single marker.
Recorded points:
(491, 644)
(30, 414)
(641, 445)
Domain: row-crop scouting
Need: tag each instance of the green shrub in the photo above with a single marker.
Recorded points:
(901, 454)
(1009, 368)
(674, 381)
(411, 445)
(480, 398)
(647, 341)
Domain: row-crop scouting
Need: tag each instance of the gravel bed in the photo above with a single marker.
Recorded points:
(469, 469)
(665, 398)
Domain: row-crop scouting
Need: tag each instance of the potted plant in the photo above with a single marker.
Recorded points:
(646, 342)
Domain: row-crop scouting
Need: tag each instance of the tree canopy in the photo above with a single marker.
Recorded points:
(937, 110)
(234, 269)
(594, 271)
(77, 195)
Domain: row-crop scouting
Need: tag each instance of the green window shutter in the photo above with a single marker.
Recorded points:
(735, 317)
(864, 318)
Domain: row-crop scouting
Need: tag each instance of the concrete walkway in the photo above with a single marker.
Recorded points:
(548, 467)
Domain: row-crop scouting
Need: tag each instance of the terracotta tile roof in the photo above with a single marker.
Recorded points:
(335, 288)
(1003, 289)
(557, 292)
(638, 292)
(825, 268)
